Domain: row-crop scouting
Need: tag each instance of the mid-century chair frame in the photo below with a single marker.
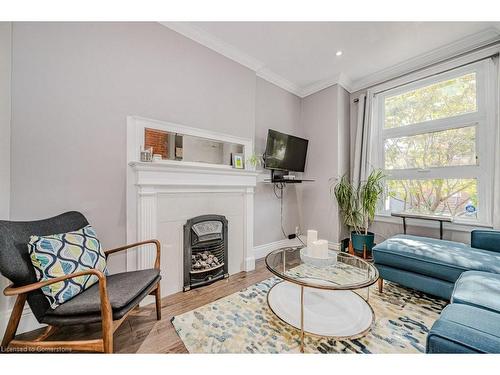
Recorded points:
(109, 326)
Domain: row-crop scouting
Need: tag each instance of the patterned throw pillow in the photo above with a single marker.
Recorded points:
(61, 254)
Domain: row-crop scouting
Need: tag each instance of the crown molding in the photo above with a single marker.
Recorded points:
(340, 79)
(202, 37)
(437, 55)
(450, 50)
(279, 81)
(231, 52)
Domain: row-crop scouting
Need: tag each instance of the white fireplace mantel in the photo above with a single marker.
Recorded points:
(177, 173)
(149, 182)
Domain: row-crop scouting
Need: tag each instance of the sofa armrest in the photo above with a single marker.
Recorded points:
(485, 239)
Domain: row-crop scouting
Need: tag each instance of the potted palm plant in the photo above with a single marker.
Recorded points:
(357, 206)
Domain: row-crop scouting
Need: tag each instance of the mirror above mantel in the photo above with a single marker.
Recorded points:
(188, 148)
(183, 145)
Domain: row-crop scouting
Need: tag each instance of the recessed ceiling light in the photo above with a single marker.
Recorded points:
(338, 53)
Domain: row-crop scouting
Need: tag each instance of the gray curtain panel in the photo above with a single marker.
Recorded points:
(361, 139)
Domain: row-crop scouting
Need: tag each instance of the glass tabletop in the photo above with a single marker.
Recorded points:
(341, 271)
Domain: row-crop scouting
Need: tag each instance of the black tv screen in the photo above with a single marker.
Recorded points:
(285, 152)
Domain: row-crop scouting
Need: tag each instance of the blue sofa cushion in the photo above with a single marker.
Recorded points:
(463, 328)
(445, 260)
(430, 285)
(480, 289)
(485, 239)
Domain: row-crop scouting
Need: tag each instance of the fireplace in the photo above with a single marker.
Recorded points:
(205, 250)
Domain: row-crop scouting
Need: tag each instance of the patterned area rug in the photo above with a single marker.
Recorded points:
(243, 323)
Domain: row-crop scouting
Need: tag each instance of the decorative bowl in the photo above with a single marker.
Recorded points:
(318, 262)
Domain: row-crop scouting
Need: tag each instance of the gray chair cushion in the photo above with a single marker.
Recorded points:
(96, 317)
(15, 263)
(123, 288)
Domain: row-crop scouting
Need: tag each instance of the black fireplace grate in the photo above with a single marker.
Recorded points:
(205, 250)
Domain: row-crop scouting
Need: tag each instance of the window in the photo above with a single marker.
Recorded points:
(433, 140)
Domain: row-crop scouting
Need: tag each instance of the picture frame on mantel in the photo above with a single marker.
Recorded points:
(238, 161)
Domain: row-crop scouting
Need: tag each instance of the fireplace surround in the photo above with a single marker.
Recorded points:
(163, 195)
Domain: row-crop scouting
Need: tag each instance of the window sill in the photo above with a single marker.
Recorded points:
(457, 226)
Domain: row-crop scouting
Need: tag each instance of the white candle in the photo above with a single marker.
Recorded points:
(313, 250)
(312, 235)
(320, 249)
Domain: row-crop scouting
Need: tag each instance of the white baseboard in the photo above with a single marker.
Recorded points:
(262, 250)
(334, 246)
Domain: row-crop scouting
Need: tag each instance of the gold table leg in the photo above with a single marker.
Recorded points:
(301, 319)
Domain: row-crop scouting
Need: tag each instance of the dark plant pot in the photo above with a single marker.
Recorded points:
(344, 245)
(360, 240)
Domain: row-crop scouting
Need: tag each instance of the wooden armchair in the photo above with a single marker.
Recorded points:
(109, 301)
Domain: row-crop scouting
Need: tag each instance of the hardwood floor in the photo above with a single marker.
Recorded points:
(142, 333)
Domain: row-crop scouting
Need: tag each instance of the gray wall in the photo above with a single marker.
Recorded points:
(325, 124)
(74, 84)
(5, 72)
(280, 110)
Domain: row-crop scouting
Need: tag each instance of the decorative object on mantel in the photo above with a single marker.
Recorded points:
(178, 152)
(157, 157)
(256, 160)
(237, 161)
(146, 153)
(357, 206)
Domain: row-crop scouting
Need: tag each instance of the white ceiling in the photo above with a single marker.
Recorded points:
(300, 56)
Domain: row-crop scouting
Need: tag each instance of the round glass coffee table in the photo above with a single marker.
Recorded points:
(318, 296)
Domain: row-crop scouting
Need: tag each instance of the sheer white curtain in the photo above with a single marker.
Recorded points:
(361, 139)
(496, 180)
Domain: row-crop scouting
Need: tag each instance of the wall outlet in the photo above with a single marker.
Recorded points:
(297, 231)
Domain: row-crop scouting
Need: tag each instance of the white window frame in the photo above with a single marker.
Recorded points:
(483, 119)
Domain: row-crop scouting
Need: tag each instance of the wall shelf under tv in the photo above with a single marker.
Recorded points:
(287, 181)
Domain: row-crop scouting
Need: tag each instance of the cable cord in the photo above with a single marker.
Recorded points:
(280, 187)
(298, 237)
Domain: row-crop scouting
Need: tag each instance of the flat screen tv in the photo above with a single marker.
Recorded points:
(285, 152)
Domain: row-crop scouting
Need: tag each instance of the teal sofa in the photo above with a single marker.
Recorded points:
(467, 275)
(471, 323)
(433, 266)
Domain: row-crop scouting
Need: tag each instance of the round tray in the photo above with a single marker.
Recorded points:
(340, 315)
